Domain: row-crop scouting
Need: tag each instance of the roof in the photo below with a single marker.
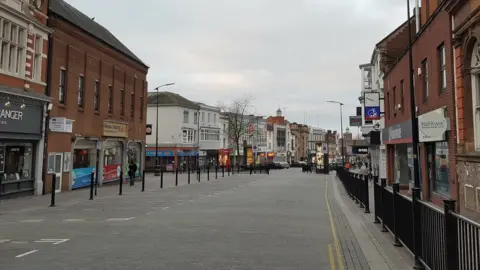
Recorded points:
(166, 98)
(80, 20)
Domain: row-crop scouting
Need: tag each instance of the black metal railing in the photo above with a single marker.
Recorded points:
(448, 240)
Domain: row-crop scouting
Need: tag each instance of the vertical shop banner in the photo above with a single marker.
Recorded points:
(111, 173)
(372, 105)
(81, 177)
(249, 156)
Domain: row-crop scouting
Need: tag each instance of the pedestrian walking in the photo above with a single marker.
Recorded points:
(132, 170)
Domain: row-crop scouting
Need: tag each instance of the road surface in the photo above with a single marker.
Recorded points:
(285, 220)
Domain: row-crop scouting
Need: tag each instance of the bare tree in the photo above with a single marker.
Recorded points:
(235, 114)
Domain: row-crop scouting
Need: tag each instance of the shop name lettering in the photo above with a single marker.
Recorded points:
(433, 124)
(10, 115)
(117, 128)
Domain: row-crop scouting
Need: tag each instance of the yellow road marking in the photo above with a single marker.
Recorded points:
(330, 256)
(334, 231)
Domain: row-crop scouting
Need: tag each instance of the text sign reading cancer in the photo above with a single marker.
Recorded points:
(20, 119)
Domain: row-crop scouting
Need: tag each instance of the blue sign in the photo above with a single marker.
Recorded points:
(81, 177)
(372, 113)
(164, 153)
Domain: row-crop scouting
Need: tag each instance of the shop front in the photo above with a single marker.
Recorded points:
(166, 159)
(398, 141)
(134, 154)
(84, 162)
(113, 150)
(433, 130)
(21, 145)
(224, 157)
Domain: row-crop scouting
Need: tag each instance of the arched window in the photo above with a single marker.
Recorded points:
(475, 68)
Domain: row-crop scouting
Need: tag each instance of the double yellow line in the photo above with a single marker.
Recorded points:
(335, 238)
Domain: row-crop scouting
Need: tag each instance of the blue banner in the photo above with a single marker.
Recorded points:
(372, 113)
(161, 153)
(81, 177)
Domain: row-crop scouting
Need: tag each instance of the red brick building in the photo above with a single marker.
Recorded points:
(23, 101)
(99, 93)
(435, 101)
(465, 16)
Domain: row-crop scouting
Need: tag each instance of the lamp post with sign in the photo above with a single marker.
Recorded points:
(158, 168)
(341, 127)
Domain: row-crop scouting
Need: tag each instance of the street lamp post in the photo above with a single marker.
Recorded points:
(416, 190)
(157, 169)
(341, 128)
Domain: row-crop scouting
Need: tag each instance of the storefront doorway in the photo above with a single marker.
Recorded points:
(55, 166)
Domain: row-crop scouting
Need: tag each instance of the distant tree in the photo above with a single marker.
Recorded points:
(235, 113)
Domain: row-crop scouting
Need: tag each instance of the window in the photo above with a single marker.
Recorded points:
(81, 91)
(214, 119)
(203, 117)
(141, 106)
(110, 99)
(37, 59)
(443, 71)
(387, 109)
(96, 96)
(394, 93)
(208, 119)
(210, 135)
(195, 118)
(185, 116)
(132, 105)
(425, 80)
(438, 167)
(61, 86)
(12, 47)
(188, 136)
(402, 96)
(122, 102)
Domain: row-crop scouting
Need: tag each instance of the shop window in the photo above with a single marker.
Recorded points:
(438, 167)
(16, 162)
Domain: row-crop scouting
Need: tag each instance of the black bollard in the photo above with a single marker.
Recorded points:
(198, 172)
(161, 178)
(54, 184)
(92, 183)
(208, 173)
(189, 174)
(223, 171)
(176, 177)
(121, 183)
(232, 169)
(143, 181)
(216, 172)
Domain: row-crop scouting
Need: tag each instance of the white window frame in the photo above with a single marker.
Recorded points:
(475, 75)
(186, 115)
(188, 135)
(195, 118)
(37, 58)
(14, 55)
(443, 68)
(62, 86)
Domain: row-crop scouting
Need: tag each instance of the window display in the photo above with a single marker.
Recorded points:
(84, 161)
(16, 161)
(112, 161)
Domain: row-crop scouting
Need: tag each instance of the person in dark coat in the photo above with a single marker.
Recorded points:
(132, 170)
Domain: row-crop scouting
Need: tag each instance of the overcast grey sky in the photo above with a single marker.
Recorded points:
(295, 54)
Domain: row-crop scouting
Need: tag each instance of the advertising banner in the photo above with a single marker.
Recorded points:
(372, 106)
(81, 177)
(249, 156)
(111, 173)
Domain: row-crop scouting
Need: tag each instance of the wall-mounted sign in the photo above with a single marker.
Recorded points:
(115, 129)
(360, 150)
(61, 124)
(148, 130)
(432, 126)
(398, 133)
(15, 119)
(356, 121)
(372, 105)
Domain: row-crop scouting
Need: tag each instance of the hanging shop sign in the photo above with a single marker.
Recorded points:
(356, 121)
(148, 129)
(359, 150)
(432, 126)
(372, 105)
(115, 129)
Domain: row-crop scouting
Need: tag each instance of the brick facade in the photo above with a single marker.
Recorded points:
(80, 54)
(466, 33)
(433, 34)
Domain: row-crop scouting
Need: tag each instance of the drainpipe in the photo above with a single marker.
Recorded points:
(48, 92)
